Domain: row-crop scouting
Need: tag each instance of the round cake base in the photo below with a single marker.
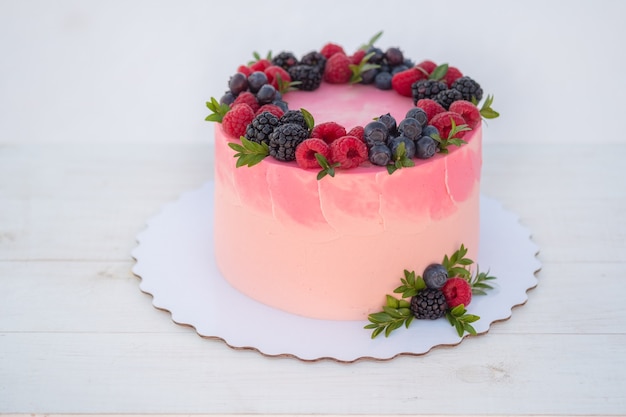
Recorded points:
(174, 259)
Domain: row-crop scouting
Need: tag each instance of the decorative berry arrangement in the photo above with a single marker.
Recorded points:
(443, 289)
(254, 109)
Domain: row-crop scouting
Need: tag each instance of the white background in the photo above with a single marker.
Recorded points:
(141, 71)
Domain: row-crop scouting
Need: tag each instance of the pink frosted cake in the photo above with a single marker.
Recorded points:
(321, 218)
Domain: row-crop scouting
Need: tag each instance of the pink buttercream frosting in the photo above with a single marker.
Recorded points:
(333, 248)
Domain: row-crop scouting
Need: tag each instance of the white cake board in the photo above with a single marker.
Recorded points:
(176, 265)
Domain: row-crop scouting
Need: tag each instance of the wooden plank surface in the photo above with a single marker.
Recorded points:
(77, 335)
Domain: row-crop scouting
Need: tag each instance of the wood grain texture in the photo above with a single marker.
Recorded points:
(78, 336)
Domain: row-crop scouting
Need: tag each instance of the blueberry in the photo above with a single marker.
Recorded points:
(266, 94)
(430, 130)
(380, 154)
(394, 56)
(256, 80)
(419, 115)
(399, 68)
(228, 98)
(425, 147)
(383, 80)
(409, 146)
(435, 275)
(238, 83)
(378, 56)
(375, 132)
(411, 128)
(282, 104)
(368, 77)
(390, 122)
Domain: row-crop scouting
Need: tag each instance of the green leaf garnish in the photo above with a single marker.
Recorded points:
(361, 67)
(411, 284)
(443, 144)
(486, 111)
(395, 314)
(402, 160)
(327, 168)
(308, 118)
(218, 110)
(460, 320)
(439, 72)
(397, 311)
(248, 152)
(286, 86)
(371, 42)
(257, 57)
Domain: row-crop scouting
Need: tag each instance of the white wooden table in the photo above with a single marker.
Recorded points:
(78, 336)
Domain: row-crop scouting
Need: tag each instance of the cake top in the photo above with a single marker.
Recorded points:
(408, 111)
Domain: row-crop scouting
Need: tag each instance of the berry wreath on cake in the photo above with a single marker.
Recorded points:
(338, 176)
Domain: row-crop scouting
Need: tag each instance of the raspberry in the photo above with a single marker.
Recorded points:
(357, 57)
(427, 89)
(285, 139)
(305, 152)
(349, 151)
(428, 66)
(273, 72)
(247, 98)
(402, 81)
(310, 76)
(244, 70)
(470, 89)
(271, 108)
(443, 123)
(431, 107)
(430, 303)
(457, 291)
(236, 121)
(331, 49)
(357, 132)
(328, 131)
(260, 65)
(452, 75)
(468, 111)
(337, 69)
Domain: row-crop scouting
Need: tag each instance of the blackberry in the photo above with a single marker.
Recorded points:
(285, 60)
(314, 59)
(447, 97)
(284, 140)
(294, 116)
(427, 89)
(469, 88)
(261, 127)
(430, 303)
(310, 77)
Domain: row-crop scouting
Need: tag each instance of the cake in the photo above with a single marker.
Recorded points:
(322, 224)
